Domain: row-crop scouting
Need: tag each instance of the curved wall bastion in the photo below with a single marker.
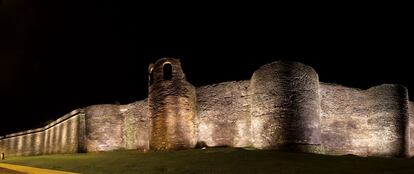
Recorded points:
(283, 106)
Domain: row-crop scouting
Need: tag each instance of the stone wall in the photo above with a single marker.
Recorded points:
(60, 136)
(285, 107)
(411, 113)
(224, 114)
(344, 120)
(364, 122)
(104, 128)
(113, 127)
(136, 125)
(95, 128)
(172, 107)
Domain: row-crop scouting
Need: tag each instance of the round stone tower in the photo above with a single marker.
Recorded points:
(285, 107)
(172, 106)
(388, 121)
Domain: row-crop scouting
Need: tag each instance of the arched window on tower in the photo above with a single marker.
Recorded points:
(167, 70)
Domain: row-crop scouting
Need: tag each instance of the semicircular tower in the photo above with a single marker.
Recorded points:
(388, 121)
(172, 106)
(285, 107)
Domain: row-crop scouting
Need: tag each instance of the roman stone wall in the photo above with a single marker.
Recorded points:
(60, 136)
(371, 122)
(136, 125)
(113, 127)
(411, 114)
(172, 107)
(285, 107)
(389, 120)
(344, 120)
(104, 128)
(95, 128)
(223, 114)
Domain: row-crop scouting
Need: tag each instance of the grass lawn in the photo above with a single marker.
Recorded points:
(215, 160)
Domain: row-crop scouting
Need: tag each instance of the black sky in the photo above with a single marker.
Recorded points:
(59, 56)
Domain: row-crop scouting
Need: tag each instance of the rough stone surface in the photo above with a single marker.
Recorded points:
(411, 113)
(136, 125)
(104, 128)
(389, 120)
(285, 107)
(172, 107)
(344, 120)
(224, 114)
(60, 136)
(371, 122)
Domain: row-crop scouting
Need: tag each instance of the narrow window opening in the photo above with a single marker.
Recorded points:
(167, 69)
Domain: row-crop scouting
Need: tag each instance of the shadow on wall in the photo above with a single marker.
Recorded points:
(172, 106)
(285, 107)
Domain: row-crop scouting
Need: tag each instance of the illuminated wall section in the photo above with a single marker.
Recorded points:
(60, 136)
(371, 122)
(389, 120)
(113, 127)
(411, 118)
(104, 128)
(285, 107)
(172, 107)
(223, 114)
(136, 125)
(344, 118)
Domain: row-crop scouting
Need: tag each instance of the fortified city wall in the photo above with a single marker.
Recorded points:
(283, 106)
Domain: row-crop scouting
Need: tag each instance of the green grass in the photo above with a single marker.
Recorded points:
(215, 160)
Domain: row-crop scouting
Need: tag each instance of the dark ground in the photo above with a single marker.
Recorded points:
(216, 160)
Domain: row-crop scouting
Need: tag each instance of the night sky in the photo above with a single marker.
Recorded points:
(59, 56)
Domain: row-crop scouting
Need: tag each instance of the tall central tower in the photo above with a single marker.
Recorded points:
(172, 106)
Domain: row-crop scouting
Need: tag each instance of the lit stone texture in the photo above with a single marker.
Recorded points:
(60, 136)
(371, 122)
(344, 117)
(104, 128)
(224, 114)
(411, 134)
(388, 121)
(283, 106)
(136, 125)
(172, 107)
